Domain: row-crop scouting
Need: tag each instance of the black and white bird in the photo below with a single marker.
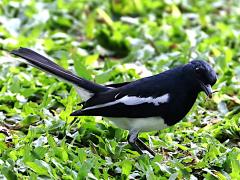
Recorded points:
(147, 104)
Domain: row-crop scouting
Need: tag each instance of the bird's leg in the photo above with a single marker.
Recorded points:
(146, 147)
(132, 140)
(136, 143)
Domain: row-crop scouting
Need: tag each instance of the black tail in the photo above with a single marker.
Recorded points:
(47, 65)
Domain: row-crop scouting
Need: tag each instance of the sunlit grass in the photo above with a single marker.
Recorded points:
(112, 42)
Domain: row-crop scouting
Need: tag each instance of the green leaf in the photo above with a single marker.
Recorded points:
(81, 69)
(9, 173)
(126, 167)
(39, 166)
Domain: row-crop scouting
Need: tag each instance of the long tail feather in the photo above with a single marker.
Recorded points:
(47, 65)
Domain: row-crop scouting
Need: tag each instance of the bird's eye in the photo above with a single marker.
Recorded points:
(197, 70)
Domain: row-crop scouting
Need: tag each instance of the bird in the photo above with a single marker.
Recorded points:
(147, 104)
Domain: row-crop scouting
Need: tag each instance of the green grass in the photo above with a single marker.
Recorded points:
(110, 42)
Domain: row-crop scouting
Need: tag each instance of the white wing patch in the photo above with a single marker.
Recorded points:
(133, 100)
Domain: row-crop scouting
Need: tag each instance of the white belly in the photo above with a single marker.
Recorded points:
(141, 124)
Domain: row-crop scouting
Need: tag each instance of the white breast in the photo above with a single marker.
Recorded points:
(141, 124)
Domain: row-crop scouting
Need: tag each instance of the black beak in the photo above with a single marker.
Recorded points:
(207, 89)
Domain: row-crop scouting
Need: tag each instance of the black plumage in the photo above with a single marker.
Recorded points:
(182, 97)
(146, 104)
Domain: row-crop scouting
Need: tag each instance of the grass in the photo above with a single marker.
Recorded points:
(110, 42)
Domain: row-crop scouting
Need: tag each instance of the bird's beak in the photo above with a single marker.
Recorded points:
(207, 89)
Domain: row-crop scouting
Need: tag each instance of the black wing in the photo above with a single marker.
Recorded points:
(129, 100)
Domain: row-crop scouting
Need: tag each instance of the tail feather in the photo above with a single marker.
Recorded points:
(47, 65)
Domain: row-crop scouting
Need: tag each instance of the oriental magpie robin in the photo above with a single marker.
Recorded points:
(147, 104)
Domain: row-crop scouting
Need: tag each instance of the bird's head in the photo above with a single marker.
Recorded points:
(203, 75)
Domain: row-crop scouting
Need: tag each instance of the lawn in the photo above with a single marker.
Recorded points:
(113, 41)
